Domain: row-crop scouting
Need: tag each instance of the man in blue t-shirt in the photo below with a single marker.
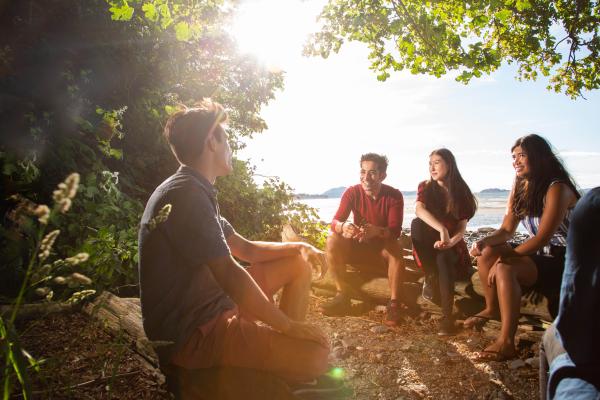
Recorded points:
(198, 303)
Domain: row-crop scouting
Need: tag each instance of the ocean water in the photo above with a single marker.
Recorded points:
(490, 211)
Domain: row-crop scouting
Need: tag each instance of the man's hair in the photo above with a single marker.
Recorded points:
(187, 129)
(380, 160)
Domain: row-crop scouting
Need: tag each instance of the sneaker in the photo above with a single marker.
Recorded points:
(446, 327)
(323, 387)
(338, 306)
(393, 317)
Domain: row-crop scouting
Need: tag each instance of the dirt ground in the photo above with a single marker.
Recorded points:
(79, 360)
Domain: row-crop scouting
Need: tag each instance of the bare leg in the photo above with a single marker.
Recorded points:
(484, 262)
(337, 249)
(293, 274)
(392, 254)
(510, 275)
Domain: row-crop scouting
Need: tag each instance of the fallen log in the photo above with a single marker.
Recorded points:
(123, 317)
(37, 310)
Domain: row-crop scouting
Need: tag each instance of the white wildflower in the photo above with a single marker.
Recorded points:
(42, 291)
(43, 213)
(78, 296)
(77, 259)
(80, 279)
(47, 243)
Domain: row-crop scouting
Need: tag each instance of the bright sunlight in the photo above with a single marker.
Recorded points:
(273, 30)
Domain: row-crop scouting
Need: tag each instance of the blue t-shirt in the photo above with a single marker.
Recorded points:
(177, 289)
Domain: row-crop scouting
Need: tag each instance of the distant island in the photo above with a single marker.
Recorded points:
(494, 190)
(336, 193)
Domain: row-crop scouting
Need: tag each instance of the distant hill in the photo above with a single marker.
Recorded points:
(334, 192)
(494, 190)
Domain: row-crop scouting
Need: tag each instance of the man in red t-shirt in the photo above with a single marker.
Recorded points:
(372, 237)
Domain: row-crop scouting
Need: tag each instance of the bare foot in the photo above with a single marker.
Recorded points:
(480, 319)
(499, 351)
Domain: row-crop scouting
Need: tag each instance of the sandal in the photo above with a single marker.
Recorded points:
(493, 355)
(476, 321)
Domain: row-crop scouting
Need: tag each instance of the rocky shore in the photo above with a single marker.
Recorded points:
(473, 236)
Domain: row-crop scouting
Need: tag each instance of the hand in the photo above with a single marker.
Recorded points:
(491, 278)
(441, 245)
(315, 257)
(370, 231)
(444, 241)
(302, 330)
(349, 230)
(476, 248)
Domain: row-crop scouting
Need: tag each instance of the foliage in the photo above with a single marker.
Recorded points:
(87, 87)
(553, 38)
(259, 213)
(41, 277)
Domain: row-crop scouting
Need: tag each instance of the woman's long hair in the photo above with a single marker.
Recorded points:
(544, 168)
(460, 202)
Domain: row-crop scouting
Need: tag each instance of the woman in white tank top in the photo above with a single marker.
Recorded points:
(542, 197)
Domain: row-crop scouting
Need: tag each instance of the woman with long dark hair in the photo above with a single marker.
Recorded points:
(444, 205)
(542, 198)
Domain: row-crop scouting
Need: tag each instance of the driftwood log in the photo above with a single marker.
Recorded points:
(37, 310)
(123, 318)
(375, 288)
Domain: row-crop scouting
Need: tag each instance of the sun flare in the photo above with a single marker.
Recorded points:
(273, 30)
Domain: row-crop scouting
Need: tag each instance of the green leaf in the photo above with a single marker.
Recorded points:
(503, 15)
(182, 31)
(150, 12)
(122, 13)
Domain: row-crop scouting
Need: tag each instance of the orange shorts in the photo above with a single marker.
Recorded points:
(234, 339)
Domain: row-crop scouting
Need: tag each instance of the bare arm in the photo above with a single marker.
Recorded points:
(458, 235)
(500, 235)
(256, 251)
(558, 200)
(426, 216)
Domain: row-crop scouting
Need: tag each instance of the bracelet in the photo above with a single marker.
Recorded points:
(343, 226)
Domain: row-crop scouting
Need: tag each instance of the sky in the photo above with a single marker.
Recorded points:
(333, 110)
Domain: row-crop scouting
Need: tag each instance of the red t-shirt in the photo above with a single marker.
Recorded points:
(387, 210)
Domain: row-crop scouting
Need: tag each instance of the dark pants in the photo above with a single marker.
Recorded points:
(440, 263)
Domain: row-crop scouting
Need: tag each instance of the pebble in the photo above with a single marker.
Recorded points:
(533, 362)
(379, 329)
(339, 352)
(518, 363)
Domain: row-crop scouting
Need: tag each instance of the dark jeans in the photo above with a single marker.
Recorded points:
(440, 263)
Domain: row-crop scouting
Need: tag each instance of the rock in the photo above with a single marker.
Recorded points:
(339, 353)
(486, 229)
(380, 309)
(518, 363)
(379, 329)
(533, 362)
(360, 348)
(406, 347)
